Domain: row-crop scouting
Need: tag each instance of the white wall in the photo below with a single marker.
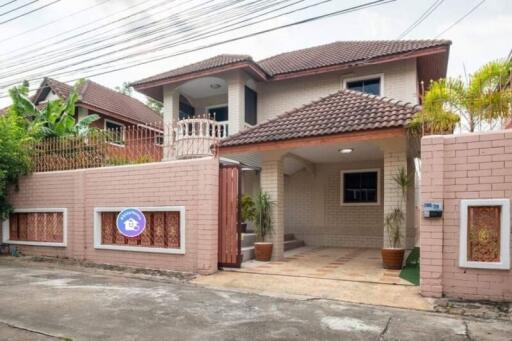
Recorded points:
(275, 98)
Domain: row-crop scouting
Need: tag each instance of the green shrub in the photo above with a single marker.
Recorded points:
(14, 155)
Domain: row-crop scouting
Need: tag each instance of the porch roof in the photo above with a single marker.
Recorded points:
(343, 112)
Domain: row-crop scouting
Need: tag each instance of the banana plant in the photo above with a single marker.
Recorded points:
(55, 119)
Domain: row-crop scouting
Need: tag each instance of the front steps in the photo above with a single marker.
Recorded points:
(248, 240)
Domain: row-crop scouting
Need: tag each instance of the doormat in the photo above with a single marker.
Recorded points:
(411, 271)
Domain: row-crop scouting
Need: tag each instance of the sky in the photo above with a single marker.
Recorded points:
(31, 48)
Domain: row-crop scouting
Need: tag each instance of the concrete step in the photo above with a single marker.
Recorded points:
(293, 244)
(248, 239)
(289, 236)
(247, 253)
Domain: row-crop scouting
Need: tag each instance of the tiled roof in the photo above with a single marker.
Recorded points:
(107, 99)
(341, 52)
(342, 112)
(210, 63)
(103, 98)
(337, 53)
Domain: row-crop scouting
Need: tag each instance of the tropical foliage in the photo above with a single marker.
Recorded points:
(394, 220)
(55, 119)
(483, 100)
(24, 125)
(263, 215)
(248, 210)
(15, 156)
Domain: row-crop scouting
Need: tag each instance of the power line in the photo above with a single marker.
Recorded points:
(253, 34)
(474, 8)
(17, 8)
(29, 12)
(151, 26)
(8, 3)
(48, 39)
(216, 29)
(54, 21)
(422, 18)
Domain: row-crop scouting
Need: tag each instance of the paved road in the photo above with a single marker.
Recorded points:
(39, 303)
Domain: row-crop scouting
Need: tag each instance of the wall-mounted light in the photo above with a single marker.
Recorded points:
(346, 150)
(215, 86)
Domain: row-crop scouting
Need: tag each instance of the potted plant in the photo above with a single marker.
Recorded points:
(394, 223)
(263, 226)
(248, 211)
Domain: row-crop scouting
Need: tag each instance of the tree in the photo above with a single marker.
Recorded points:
(155, 105)
(15, 155)
(482, 100)
(55, 119)
(125, 89)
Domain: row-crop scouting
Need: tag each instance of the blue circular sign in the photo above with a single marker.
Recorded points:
(131, 222)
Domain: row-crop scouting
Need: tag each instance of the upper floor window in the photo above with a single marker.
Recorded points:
(369, 85)
(251, 106)
(186, 109)
(219, 113)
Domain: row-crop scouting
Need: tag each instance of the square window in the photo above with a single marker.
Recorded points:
(360, 187)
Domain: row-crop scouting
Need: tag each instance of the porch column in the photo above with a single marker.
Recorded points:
(171, 111)
(393, 162)
(272, 182)
(236, 101)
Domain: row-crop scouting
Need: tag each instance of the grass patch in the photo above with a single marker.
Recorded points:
(411, 271)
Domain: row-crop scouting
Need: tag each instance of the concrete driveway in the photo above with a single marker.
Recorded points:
(42, 303)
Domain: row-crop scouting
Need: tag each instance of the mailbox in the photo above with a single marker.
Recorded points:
(432, 209)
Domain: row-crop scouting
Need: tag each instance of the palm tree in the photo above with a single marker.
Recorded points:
(483, 99)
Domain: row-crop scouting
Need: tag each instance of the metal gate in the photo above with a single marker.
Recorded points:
(230, 250)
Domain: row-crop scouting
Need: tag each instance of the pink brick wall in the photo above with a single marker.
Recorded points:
(191, 183)
(454, 168)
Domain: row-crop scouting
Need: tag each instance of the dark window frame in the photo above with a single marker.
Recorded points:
(251, 106)
(360, 189)
(362, 80)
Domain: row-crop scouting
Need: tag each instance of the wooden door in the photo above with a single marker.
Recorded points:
(230, 251)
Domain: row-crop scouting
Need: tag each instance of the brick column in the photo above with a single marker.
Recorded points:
(272, 182)
(431, 230)
(171, 112)
(393, 162)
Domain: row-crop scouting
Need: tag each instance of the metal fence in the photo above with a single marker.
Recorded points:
(132, 144)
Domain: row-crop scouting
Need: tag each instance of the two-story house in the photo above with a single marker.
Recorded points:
(322, 130)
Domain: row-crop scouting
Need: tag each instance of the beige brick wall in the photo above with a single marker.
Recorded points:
(272, 183)
(455, 168)
(274, 98)
(192, 183)
(313, 211)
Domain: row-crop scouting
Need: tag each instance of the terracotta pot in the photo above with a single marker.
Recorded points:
(392, 258)
(263, 251)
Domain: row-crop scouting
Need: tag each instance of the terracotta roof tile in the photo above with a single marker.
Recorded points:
(341, 52)
(342, 112)
(210, 63)
(110, 100)
(336, 53)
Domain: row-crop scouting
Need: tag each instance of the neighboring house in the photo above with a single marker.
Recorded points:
(322, 130)
(115, 109)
